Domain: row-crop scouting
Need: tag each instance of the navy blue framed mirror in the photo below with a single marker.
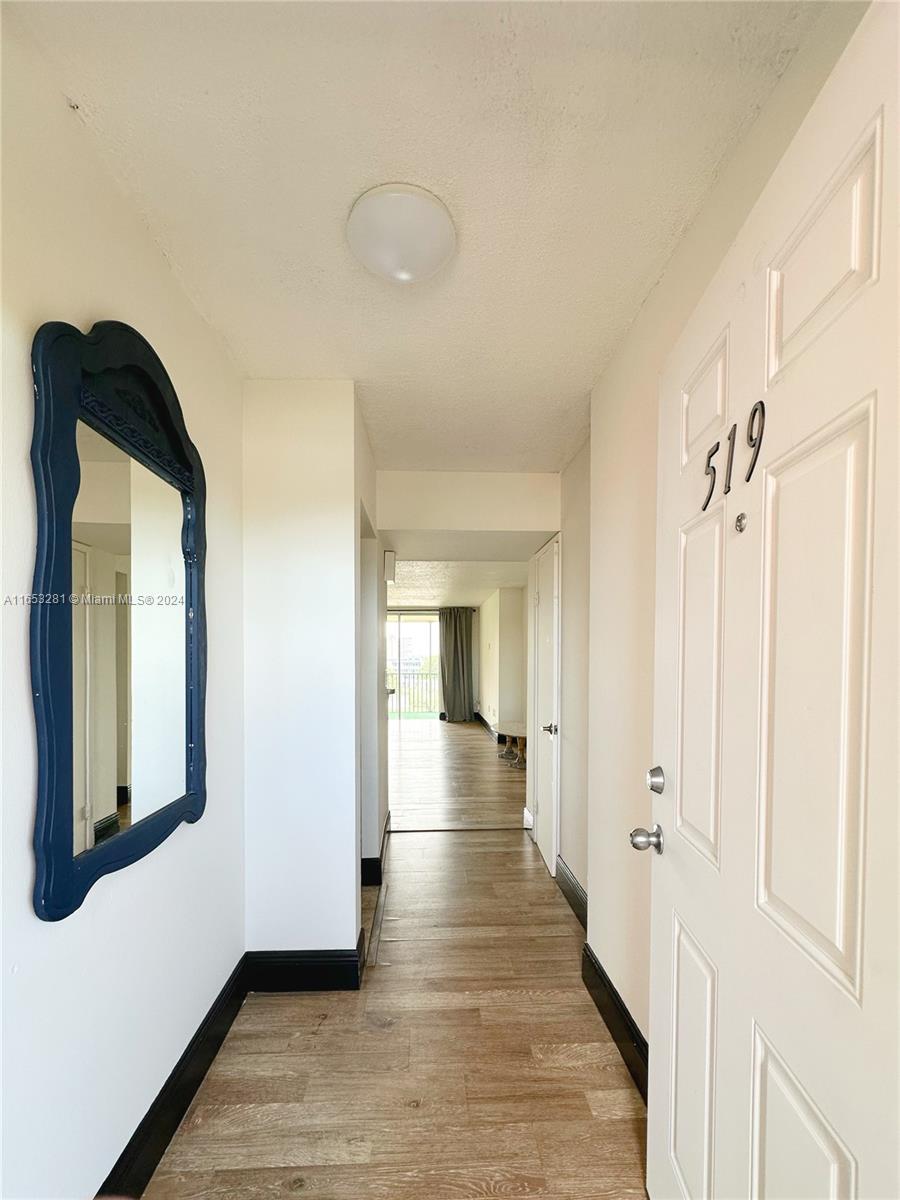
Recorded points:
(118, 620)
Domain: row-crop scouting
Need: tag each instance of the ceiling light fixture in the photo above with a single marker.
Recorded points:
(401, 232)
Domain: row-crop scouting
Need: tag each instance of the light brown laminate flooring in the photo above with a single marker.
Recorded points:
(447, 776)
(471, 1064)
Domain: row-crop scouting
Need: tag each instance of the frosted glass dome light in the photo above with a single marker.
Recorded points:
(401, 232)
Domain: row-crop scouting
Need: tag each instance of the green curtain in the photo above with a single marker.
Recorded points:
(456, 663)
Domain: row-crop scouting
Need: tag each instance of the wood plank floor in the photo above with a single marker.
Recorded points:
(471, 1064)
(448, 776)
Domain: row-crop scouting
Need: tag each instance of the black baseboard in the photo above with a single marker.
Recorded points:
(618, 1020)
(304, 970)
(573, 892)
(138, 1161)
(257, 971)
(372, 869)
(105, 828)
(370, 872)
(499, 738)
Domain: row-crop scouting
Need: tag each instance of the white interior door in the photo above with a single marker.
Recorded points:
(773, 1032)
(544, 753)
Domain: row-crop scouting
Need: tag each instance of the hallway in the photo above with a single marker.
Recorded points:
(472, 1063)
(448, 776)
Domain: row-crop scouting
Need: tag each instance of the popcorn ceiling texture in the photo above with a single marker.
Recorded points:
(573, 143)
(444, 584)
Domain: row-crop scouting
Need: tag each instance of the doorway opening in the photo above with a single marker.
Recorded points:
(445, 774)
(413, 672)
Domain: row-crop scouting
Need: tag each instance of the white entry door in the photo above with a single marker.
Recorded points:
(774, 1019)
(544, 751)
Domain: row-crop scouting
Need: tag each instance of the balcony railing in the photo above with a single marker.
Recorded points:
(415, 693)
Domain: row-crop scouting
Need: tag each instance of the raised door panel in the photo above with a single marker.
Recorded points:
(816, 553)
(693, 1049)
(704, 399)
(796, 1153)
(830, 257)
(699, 666)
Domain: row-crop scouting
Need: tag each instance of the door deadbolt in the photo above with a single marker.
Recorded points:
(643, 839)
(656, 780)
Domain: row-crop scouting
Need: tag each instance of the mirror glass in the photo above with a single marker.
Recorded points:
(128, 642)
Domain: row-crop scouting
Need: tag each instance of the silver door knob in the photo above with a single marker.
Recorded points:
(656, 780)
(643, 839)
(550, 728)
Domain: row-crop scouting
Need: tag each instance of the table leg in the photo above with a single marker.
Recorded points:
(508, 752)
(521, 757)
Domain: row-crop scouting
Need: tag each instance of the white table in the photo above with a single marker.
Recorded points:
(514, 731)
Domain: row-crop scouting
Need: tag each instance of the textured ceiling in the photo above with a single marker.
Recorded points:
(464, 545)
(571, 142)
(438, 584)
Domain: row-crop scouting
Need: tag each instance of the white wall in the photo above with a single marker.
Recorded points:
(371, 682)
(574, 627)
(501, 656)
(473, 500)
(370, 638)
(158, 719)
(623, 528)
(123, 674)
(81, 751)
(301, 597)
(98, 1008)
(476, 659)
(489, 658)
(102, 760)
(104, 494)
(382, 708)
(512, 654)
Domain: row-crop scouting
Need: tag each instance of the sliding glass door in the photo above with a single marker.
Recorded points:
(413, 665)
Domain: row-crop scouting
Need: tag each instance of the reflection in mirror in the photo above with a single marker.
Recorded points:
(128, 642)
